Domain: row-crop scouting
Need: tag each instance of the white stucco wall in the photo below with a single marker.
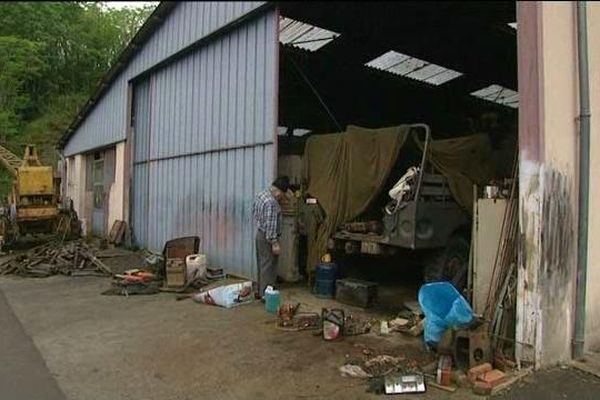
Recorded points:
(549, 180)
(75, 189)
(115, 199)
(559, 219)
(82, 201)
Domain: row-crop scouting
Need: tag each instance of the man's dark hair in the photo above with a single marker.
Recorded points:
(282, 183)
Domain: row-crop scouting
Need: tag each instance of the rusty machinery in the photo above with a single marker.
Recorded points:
(34, 205)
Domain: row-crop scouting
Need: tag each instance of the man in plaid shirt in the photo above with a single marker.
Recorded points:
(267, 215)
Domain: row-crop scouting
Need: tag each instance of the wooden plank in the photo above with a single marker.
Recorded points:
(113, 231)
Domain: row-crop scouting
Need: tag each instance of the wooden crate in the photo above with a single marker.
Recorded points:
(176, 272)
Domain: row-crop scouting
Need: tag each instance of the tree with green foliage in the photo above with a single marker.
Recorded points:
(52, 56)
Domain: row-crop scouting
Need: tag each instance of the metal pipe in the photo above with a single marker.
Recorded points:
(584, 180)
(421, 173)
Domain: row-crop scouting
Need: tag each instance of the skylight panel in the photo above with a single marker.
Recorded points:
(413, 68)
(499, 95)
(303, 35)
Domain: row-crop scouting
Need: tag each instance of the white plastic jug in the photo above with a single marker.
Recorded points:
(196, 266)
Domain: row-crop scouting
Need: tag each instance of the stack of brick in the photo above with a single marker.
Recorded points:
(484, 378)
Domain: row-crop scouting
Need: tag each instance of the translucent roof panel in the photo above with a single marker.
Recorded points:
(414, 68)
(304, 36)
(499, 95)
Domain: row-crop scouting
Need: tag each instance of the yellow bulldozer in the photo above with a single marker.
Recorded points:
(34, 205)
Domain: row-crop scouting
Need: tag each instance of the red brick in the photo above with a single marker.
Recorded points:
(474, 372)
(482, 388)
(493, 377)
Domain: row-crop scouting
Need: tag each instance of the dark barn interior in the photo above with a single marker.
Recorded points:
(326, 89)
(329, 86)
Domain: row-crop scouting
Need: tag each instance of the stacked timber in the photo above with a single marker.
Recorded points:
(74, 258)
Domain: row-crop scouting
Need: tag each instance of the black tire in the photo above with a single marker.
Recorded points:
(451, 263)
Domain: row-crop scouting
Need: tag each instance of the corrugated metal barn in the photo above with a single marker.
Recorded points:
(211, 99)
(202, 124)
(182, 132)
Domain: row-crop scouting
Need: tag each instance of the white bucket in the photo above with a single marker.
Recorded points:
(196, 266)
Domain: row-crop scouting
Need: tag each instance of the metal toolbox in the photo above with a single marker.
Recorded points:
(355, 292)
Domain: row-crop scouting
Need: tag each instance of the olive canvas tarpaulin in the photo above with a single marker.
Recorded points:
(347, 171)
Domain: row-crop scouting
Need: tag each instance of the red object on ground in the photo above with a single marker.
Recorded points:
(475, 372)
(482, 388)
(493, 377)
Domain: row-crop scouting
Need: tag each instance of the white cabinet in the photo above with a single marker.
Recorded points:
(489, 214)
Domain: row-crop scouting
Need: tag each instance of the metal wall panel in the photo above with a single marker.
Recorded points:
(209, 145)
(141, 136)
(186, 24)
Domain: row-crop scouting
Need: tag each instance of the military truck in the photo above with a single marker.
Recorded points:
(421, 214)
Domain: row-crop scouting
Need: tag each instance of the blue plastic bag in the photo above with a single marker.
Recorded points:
(443, 307)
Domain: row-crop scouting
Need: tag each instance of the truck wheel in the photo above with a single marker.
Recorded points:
(450, 263)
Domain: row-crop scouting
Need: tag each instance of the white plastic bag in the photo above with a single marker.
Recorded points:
(226, 296)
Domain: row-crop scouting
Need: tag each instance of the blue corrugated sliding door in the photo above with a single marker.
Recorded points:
(204, 131)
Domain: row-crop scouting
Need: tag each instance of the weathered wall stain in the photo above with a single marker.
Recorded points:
(547, 262)
(558, 231)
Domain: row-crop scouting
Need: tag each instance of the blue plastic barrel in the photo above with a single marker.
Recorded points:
(325, 277)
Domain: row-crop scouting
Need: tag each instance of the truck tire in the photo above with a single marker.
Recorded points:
(451, 263)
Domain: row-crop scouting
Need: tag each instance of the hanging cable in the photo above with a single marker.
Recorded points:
(315, 92)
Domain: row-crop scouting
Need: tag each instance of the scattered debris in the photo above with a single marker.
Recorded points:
(442, 387)
(444, 371)
(214, 273)
(230, 295)
(333, 323)
(382, 365)
(400, 384)
(414, 307)
(120, 288)
(356, 326)
(459, 378)
(353, 371)
(517, 376)
(384, 329)
(134, 281)
(482, 388)
(301, 321)
(418, 328)
(55, 257)
(398, 324)
(286, 312)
